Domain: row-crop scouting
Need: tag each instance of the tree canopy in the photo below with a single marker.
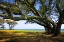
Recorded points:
(50, 13)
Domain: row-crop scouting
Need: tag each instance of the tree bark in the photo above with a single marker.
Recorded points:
(58, 28)
(48, 28)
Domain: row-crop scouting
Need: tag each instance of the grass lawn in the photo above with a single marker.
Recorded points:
(28, 36)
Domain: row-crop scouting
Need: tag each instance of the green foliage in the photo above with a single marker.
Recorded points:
(62, 4)
(14, 9)
(11, 23)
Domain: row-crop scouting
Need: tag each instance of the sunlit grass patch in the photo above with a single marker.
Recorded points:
(12, 31)
(20, 31)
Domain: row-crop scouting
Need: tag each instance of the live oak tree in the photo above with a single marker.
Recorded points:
(11, 24)
(50, 13)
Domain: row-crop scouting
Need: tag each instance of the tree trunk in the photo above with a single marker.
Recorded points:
(58, 28)
(48, 29)
(10, 27)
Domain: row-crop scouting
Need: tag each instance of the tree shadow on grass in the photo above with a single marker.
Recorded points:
(29, 37)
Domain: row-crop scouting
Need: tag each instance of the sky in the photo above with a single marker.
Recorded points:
(21, 25)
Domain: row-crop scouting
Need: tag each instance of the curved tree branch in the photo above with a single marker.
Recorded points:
(7, 10)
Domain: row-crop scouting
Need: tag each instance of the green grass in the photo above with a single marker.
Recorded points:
(28, 36)
(19, 31)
